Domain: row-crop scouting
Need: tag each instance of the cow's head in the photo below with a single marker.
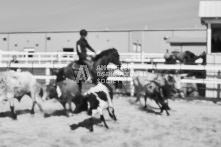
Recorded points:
(52, 91)
(80, 102)
(174, 82)
(59, 73)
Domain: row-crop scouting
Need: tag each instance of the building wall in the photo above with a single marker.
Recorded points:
(151, 41)
(213, 90)
(19, 42)
(104, 40)
(58, 41)
(3, 42)
(155, 41)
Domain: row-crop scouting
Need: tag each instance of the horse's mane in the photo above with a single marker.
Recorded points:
(104, 53)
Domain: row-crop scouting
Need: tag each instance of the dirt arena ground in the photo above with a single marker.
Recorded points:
(191, 123)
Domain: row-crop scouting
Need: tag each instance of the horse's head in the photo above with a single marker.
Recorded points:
(115, 57)
(109, 56)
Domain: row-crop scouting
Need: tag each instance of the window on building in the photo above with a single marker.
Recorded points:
(68, 50)
(137, 47)
(216, 40)
(29, 50)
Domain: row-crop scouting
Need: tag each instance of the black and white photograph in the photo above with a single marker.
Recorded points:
(110, 73)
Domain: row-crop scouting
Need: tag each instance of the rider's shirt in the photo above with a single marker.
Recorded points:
(83, 44)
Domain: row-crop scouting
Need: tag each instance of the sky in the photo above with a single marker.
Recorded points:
(73, 15)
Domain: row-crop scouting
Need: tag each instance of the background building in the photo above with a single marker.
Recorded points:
(149, 41)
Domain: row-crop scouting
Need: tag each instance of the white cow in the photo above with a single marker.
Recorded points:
(16, 85)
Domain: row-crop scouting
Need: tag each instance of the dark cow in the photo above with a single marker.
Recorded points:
(156, 92)
(94, 101)
(64, 91)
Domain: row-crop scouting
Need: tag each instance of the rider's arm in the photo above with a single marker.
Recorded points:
(90, 48)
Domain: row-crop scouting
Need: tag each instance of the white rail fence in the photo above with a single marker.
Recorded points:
(131, 67)
(64, 57)
(61, 59)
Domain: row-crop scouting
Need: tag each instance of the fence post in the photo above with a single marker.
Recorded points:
(131, 82)
(47, 73)
(59, 57)
(142, 57)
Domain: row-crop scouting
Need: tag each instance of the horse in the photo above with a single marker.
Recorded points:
(97, 69)
(16, 85)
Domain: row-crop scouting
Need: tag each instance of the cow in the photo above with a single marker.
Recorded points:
(158, 93)
(16, 85)
(94, 101)
(171, 83)
(64, 91)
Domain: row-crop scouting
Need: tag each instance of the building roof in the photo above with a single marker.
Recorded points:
(185, 40)
(210, 9)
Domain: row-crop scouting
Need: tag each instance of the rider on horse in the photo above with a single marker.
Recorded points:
(82, 46)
